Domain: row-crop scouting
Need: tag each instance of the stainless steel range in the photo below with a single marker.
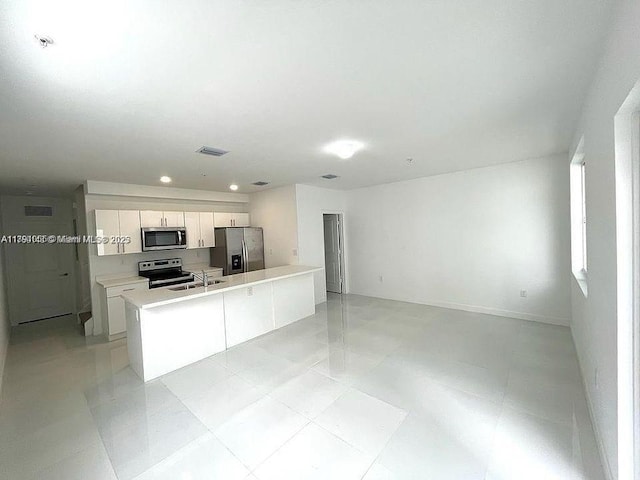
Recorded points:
(162, 273)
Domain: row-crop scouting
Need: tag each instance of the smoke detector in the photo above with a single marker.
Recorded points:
(43, 40)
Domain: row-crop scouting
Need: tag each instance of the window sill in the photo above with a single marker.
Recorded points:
(581, 278)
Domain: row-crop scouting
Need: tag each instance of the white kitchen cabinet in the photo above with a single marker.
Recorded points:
(107, 225)
(129, 221)
(192, 224)
(241, 220)
(223, 219)
(206, 229)
(248, 313)
(153, 218)
(113, 312)
(174, 219)
(118, 223)
(199, 227)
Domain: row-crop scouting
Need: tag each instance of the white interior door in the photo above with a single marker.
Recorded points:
(332, 253)
(40, 276)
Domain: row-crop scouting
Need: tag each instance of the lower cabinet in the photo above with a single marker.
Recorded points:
(113, 313)
(248, 313)
(174, 335)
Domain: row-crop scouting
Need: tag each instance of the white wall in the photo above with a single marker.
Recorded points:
(275, 211)
(594, 318)
(128, 264)
(312, 203)
(470, 240)
(5, 325)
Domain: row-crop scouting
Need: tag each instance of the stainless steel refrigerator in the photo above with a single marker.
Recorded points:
(238, 250)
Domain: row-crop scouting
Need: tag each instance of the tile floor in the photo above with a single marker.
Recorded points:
(364, 389)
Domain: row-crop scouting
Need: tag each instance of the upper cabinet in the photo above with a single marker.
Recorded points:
(199, 225)
(152, 218)
(231, 219)
(199, 229)
(118, 223)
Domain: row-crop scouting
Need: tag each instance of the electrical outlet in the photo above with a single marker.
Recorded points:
(249, 291)
(523, 293)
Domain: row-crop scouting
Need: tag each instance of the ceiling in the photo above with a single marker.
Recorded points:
(131, 89)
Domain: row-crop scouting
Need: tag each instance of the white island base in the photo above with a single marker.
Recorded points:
(167, 330)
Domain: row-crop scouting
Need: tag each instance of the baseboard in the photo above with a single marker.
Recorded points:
(532, 317)
(486, 310)
(604, 458)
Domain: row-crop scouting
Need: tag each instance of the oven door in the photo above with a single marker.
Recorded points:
(167, 238)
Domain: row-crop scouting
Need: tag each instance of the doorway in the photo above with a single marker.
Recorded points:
(627, 171)
(39, 269)
(333, 252)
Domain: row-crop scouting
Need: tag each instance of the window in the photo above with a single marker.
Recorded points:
(578, 185)
(583, 195)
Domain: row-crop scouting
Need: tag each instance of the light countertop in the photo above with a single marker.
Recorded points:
(156, 297)
(117, 280)
(198, 267)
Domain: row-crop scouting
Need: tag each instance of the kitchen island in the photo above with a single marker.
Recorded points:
(169, 328)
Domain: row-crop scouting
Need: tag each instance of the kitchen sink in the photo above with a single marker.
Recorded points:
(190, 286)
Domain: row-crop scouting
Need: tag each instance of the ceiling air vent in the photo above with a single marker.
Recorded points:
(260, 183)
(38, 211)
(329, 176)
(216, 152)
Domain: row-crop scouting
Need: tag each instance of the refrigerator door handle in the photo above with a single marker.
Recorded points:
(245, 258)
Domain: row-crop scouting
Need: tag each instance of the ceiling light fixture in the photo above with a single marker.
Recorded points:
(165, 179)
(344, 149)
(233, 187)
(43, 40)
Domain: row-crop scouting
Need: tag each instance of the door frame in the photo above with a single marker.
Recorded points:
(627, 191)
(343, 247)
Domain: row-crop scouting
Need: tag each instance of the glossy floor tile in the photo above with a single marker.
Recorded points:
(366, 388)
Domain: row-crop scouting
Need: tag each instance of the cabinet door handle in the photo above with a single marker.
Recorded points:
(123, 249)
(117, 248)
(128, 289)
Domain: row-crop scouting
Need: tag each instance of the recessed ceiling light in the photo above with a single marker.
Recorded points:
(233, 187)
(43, 40)
(344, 148)
(165, 179)
(329, 176)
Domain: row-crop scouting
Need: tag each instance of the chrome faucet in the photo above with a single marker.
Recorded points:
(204, 276)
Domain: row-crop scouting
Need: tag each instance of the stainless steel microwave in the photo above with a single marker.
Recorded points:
(163, 238)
